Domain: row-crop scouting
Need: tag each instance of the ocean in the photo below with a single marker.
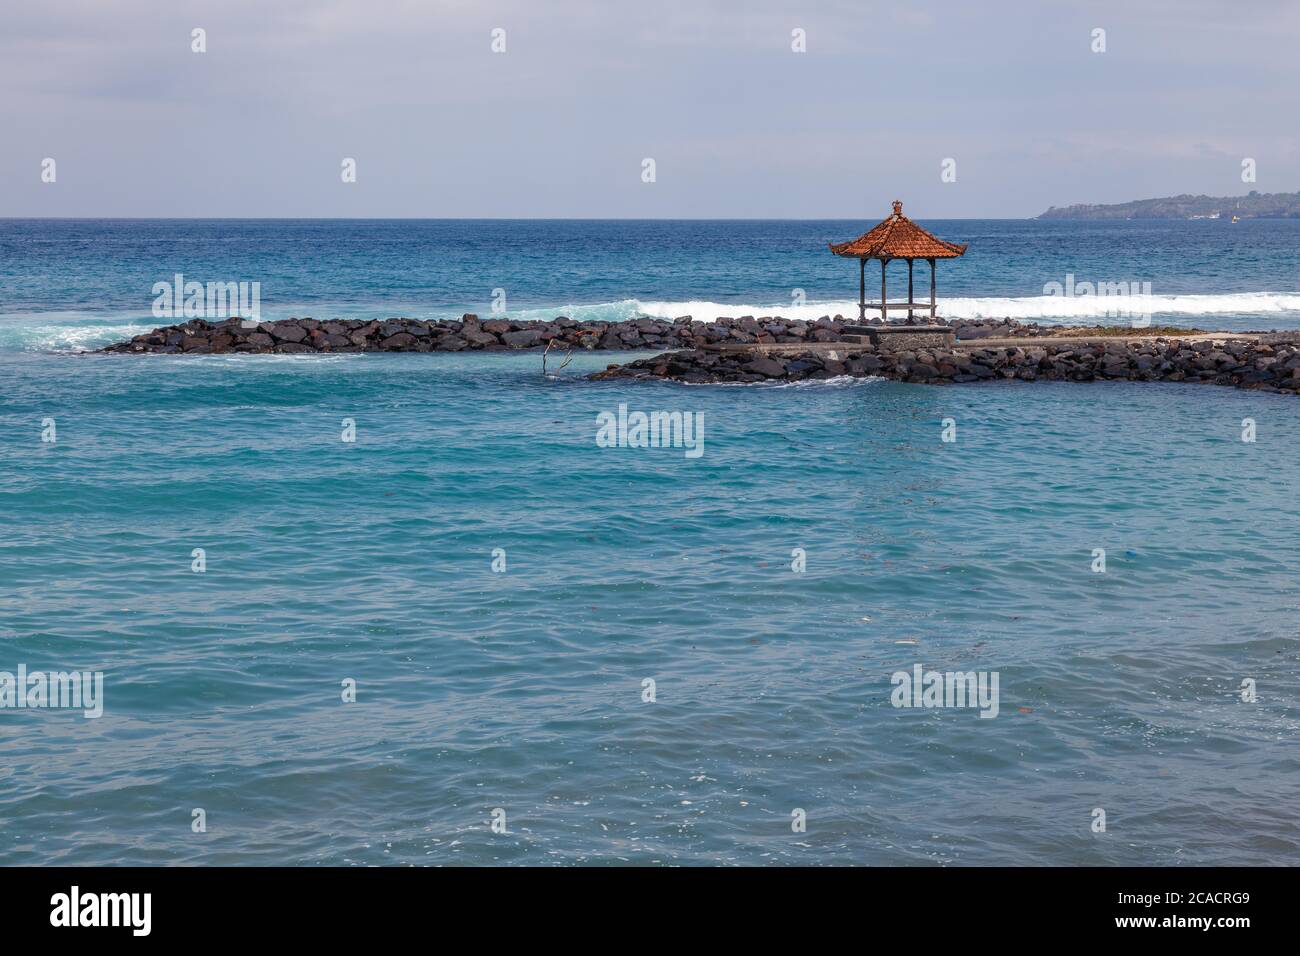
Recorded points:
(473, 634)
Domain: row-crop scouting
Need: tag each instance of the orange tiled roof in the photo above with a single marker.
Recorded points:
(898, 238)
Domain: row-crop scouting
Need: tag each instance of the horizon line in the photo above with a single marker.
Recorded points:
(498, 218)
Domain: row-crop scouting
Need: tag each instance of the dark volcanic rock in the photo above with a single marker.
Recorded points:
(1270, 362)
(765, 366)
(288, 332)
(398, 342)
(454, 335)
(1273, 366)
(523, 339)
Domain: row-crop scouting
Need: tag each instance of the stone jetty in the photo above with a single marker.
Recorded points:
(750, 349)
(470, 333)
(1268, 362)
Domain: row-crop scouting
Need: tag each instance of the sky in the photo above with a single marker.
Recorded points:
(737, 122)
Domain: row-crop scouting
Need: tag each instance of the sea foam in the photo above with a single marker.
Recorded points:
(1044, 307)
(77, 331)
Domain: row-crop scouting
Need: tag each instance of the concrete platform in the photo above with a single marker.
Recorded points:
(900, 336)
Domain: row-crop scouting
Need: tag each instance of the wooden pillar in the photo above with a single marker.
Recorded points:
(862, 290)
(909, 288)
(884, 317)
(931, 288)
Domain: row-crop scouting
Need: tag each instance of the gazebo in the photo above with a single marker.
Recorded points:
(895, 238)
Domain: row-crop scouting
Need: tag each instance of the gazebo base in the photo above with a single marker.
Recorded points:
(900, 336)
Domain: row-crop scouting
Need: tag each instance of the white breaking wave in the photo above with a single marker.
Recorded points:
(44, 336)
(1101, 306)
(1028, 307)
(839, 381)
(77, 331)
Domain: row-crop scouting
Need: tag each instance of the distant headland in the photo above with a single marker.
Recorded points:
(1254, 205)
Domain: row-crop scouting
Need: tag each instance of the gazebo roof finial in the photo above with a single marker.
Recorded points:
(898, 207)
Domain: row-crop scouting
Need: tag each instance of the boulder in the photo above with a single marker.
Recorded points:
(523, 339)
(478, 335)
(288, 332)
(765, 366)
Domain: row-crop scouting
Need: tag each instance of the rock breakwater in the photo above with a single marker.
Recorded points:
(470, 333)
(1244, 363)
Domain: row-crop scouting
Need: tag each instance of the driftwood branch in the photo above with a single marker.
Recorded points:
(583, 340)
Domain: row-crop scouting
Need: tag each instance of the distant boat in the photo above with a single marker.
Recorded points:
(1236, 219)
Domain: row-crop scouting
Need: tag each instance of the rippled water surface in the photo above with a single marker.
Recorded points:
(522, 690)
(67, 284)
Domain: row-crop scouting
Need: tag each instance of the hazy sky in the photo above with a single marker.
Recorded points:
(558, 125)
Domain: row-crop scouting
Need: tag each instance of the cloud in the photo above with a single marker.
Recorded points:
(558, 125)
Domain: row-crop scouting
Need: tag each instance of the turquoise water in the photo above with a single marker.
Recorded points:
(522, 690)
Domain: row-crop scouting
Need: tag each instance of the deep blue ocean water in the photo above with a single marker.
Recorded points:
(371, 561)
